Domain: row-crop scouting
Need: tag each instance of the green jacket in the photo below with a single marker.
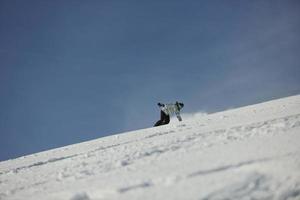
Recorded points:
(170, 109)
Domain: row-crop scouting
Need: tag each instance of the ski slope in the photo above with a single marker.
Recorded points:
(251, 152)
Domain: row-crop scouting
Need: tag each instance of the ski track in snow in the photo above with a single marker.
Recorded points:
(224, 135)
(153, 163)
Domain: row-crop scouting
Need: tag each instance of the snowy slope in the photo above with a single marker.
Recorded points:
(247, 153)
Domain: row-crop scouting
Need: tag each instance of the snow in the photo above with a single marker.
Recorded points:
(251, 152)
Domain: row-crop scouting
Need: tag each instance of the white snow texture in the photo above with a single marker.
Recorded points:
(251, 152)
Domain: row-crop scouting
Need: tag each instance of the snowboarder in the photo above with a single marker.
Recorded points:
(167, 110)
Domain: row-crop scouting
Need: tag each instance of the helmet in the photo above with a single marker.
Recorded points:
(179, 104)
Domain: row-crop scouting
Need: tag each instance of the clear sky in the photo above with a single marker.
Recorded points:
(73, 70)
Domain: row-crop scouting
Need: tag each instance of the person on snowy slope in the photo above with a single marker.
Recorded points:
(167, 110)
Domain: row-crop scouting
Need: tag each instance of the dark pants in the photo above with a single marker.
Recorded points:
(164, 119)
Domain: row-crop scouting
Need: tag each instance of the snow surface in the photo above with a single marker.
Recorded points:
(251, 152)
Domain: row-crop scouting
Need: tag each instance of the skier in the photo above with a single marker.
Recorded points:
(167, 110)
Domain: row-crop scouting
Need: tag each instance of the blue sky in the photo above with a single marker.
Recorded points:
(72, 71)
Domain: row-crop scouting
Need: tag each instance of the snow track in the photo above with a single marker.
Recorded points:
(247, 153)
